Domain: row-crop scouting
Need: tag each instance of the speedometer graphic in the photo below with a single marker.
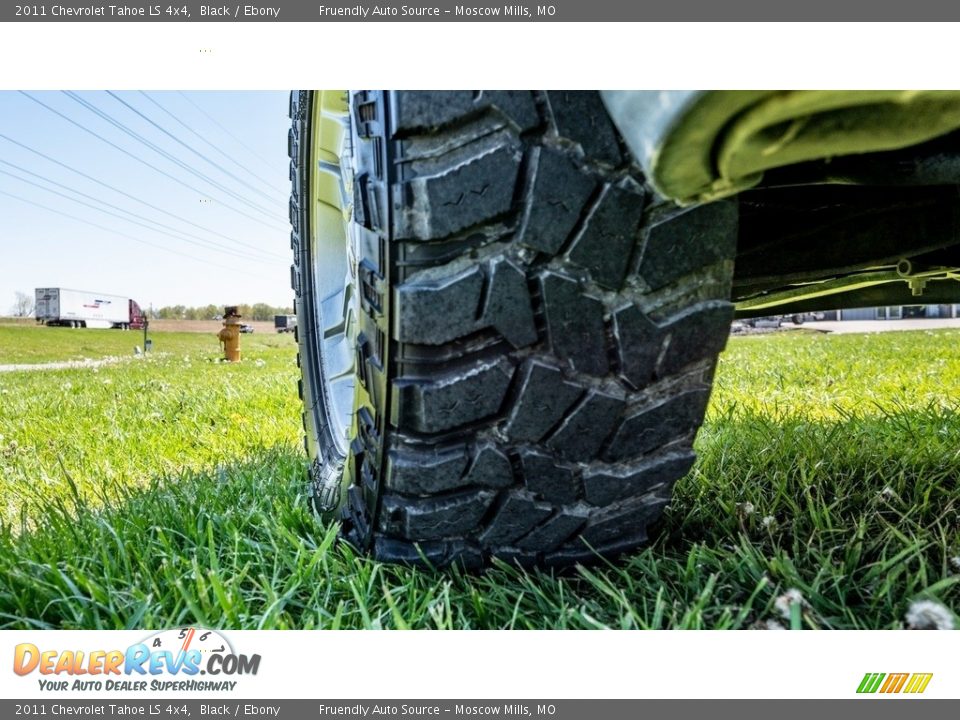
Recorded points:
(189, 638)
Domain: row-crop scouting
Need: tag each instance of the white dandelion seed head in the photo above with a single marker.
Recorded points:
(928, 615)
(888, 492)
(769, 521)
(786, 601)
(747, 508)
(955, 561)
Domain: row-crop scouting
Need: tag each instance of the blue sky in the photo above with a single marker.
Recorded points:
(218, 234)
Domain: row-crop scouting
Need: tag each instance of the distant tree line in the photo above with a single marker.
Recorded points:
(257, 311)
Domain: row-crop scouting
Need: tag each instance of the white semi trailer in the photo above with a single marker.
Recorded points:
(285, 323)
(79, 308)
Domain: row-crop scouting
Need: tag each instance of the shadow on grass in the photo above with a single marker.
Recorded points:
(860, 515)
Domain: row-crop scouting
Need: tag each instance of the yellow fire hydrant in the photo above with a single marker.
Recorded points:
(230, 335)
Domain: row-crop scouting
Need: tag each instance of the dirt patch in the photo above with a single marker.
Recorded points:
(205, 326)
(197, 326)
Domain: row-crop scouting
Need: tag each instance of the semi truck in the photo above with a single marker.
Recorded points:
(82, 309)
(284, 323)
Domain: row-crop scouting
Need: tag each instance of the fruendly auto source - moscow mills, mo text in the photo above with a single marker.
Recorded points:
(383, 11)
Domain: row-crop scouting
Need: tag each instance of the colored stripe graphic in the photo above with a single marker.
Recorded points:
(892, 683)
(870, 682)
(895, 682)
(918, 682)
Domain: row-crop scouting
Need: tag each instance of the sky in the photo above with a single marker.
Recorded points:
(191, 212)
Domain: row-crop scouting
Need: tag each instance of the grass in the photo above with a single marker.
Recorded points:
(30, 343)
(169, 491)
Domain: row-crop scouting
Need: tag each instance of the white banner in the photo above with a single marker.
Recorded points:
(476, 664)
(656, 56)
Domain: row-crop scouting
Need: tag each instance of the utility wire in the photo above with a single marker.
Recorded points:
(102, 114)
(225, 154)
(135, 198)
(86, 204)
(196, 152)
(226, 132)
(121, 234)
(208, 244)
(142, 161)
(112, 214)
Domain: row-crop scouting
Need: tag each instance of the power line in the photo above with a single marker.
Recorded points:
(193, 150)
(209, 244)
(141, 160)
(121, 234)
(102, 114)
(226, 132)
(86, 204)
(132, 197)
(200, 137)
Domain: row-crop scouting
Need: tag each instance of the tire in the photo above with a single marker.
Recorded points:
(533, 332)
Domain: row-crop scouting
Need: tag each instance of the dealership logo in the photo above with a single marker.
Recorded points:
(168, 660)
(911, 683)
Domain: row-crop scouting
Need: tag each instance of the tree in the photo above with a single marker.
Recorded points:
(262, 311)
(23, 306)
(257, 311)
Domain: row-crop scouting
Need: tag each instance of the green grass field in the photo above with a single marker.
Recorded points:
(157, 492)
(29, 343)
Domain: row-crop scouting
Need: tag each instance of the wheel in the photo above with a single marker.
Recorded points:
(797, 319)
(507, 340)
